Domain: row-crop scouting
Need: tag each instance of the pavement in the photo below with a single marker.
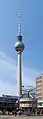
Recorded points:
(20, 117)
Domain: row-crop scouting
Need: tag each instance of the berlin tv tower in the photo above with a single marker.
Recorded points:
(19, 47)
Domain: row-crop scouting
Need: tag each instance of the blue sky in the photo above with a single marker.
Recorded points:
(32, 31)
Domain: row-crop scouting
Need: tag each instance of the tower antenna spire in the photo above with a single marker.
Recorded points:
(19, 24)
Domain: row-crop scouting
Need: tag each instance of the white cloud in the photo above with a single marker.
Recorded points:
(2, 55)
(8, 75)
(7, 70)
(7, 89)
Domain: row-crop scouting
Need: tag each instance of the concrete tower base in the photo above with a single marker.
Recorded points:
(19, 78)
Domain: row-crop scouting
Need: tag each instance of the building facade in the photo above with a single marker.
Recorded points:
(39, 87)
(7, 102)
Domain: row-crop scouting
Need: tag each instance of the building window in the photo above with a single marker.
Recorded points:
(40, 103)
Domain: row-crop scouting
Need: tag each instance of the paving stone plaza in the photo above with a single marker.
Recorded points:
(20, 117)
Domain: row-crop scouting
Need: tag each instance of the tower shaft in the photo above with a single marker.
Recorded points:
(19, 47)
(19, 75)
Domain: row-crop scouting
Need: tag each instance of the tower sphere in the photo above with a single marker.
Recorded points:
(19, 46)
